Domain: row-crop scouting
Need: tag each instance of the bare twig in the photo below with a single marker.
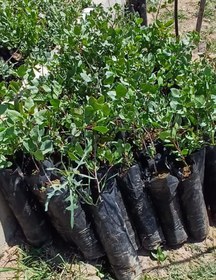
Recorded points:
(176, 145)
(12, 56)
(158, 9)
(153, 145)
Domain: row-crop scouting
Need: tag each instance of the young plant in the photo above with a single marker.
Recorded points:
(71, 181)
(160, 255)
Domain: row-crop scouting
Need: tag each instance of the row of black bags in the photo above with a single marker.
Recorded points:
(131, 212)
(98, 231)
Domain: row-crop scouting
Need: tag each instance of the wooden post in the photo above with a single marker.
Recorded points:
(176, 18)
(143, 11)
(139, 6)
(200, 15)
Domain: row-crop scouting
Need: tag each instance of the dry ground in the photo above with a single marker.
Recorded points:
(192, 261)
(183, 262)
(188, 11)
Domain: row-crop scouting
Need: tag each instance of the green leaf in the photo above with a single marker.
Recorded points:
(38, 155)
(4, 163)
(14, 115)
(139, 21)
(160, 81)
(101, 99)
(109, 78)
(200, 101)
(3, 108)
(79, 149)
(173, 104)
(85, 77)
(101, 129)
(173, 132)
(29, 103)
(55, 103)
(14, 86)
(72, 206)
(175, 92)
(121, 90)
(54, 190)
(165, 135)
(72, 156)
(185, 152)
(169, 22)
(112, 94)
(105, 109)
(8, 269)
(46, 147)
(93, 102)
(46, 88)
(77, 30)
(21, 71)
(29, 146)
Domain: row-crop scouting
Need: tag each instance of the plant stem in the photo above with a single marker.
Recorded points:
(152, 143)
(158, 9)
(180, 152)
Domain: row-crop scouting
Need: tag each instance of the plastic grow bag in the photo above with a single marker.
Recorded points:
(140, 208)
(114, 234)
(125, 216)
(25, 209)
(163, 190)
(198, 159)
(210, 178)
(82, 234)
(193, 205)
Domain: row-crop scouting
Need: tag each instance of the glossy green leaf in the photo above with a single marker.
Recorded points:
(3, 108)
(21, 71)
(55, 103)
(38, 155)
(101, 129)
(121, 90)
(46, 147)
(46, 88)
(86, 77)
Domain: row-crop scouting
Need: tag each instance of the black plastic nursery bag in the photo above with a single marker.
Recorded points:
(193, 205)
(82, 234)
(210, 178)
(25, 209)
(198, 158)
(114, 234)
(163, 190)
(140, 208)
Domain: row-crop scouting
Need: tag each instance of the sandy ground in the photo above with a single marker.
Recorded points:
(188, 11)
(188, 256)
(181, 260)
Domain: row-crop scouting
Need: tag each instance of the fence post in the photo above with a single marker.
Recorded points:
(200, 15)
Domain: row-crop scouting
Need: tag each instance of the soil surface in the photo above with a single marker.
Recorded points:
(182, 260)
(188, 11)
(179, 262)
